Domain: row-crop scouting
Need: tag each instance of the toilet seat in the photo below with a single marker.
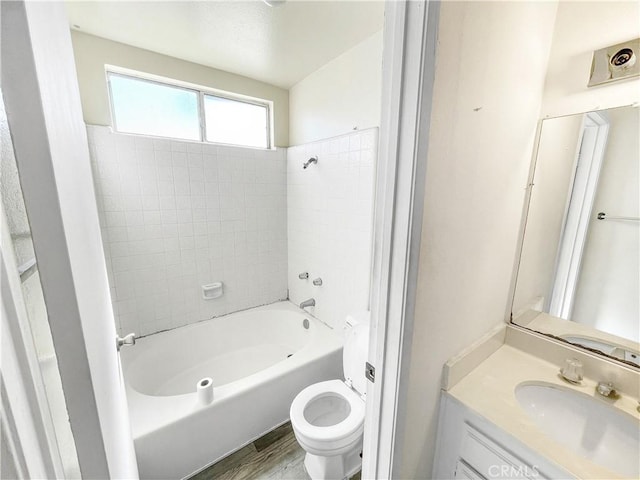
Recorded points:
(347, 430)
(328, 417)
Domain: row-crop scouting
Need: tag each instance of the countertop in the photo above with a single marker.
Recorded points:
(489, 390)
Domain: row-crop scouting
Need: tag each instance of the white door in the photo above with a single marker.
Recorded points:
(43, 108)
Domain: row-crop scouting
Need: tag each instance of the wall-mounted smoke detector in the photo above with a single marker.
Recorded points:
(616, 62)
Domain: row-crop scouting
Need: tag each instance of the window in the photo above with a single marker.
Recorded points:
(237, 123)
(150, 107)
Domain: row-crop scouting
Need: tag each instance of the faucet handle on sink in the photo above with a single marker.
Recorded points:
(607, 389)
(572, 370)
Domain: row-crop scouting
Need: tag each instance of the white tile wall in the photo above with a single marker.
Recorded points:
(330, 223)
(176, 215)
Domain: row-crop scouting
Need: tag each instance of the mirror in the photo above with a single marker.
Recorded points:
(579, 271)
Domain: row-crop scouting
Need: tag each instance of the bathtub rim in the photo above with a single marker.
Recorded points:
(149, 413)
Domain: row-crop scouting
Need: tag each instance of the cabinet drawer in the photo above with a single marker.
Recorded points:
(491, 461)
(466, 472)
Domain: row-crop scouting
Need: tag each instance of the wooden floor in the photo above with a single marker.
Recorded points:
(275, 456)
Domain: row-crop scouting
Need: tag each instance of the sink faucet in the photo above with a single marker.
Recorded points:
(606, 389)
(308, 303)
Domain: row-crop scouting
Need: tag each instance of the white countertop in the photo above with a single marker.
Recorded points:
(489, 390)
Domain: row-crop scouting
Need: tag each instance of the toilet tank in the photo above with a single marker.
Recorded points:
(354, 355)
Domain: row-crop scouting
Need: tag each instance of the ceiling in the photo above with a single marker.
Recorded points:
(278, 45)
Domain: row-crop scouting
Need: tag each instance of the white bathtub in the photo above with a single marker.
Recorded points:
(259, 360)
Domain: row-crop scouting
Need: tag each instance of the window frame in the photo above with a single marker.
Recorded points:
(200, 91)
(226, 96)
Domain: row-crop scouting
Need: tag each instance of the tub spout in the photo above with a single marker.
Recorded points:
(308, 303)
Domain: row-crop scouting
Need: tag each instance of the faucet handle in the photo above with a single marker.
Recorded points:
(606, 389)
(126, 341)
(572, 370)
(303, 275)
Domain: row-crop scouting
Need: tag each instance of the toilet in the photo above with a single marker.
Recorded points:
(328, 417)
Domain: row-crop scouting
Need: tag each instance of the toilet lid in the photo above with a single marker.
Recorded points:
(345, 428)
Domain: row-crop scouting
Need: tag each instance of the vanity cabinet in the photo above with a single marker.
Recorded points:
(470, 447)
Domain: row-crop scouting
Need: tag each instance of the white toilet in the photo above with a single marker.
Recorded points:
(328, 417)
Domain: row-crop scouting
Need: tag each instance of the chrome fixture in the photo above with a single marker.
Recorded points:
(317, 281)
(303, 275)
(274, 3)
(309, 162)
(603, 216)
(27, 269)
(606, 389)
(572, 370)
(308, 303)
(126, 341)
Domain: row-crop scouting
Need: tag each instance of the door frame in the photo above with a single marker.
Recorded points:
(408, 72)
(409, 57)
(588, 163)
(44, 113)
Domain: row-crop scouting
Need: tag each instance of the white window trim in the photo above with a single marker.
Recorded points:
(201, 91)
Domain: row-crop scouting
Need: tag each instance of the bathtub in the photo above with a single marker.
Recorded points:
(259, 360)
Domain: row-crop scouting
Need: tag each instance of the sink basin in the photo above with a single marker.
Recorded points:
(586, 425)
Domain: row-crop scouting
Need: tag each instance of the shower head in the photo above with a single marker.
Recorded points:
(309, 162)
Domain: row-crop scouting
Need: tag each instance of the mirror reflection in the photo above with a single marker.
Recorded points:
(579, 272)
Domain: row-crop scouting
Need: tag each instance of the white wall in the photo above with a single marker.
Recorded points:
(330, 209)
(92, 53)
(176, 215)
(490, 68)
(581, 28)
(555, 166)
(342, 95)
(607, 295)
(11, 194)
